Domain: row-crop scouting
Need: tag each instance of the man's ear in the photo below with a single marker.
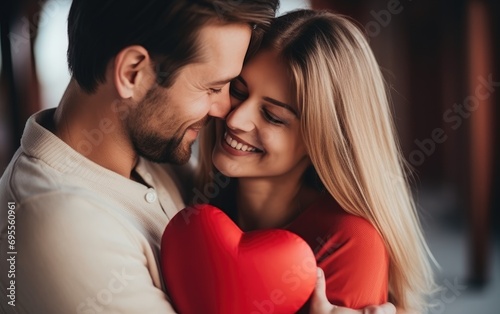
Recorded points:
(133, 73)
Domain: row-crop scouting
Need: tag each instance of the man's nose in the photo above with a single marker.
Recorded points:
(221, 104)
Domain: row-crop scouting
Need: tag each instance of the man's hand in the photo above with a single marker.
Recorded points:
(321, 305)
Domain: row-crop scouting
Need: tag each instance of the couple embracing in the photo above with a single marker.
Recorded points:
(293, 109)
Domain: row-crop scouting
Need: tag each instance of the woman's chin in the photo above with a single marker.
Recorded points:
(229, 168)
(226, 174)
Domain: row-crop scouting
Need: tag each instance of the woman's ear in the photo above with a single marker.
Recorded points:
(133, 73)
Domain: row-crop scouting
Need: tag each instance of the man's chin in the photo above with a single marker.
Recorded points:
(160, 150)
(178, 156)
(182, 158)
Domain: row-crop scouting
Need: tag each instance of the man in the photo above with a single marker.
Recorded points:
(92, 188)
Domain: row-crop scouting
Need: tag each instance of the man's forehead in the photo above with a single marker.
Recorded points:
(223, 81)
(222, 51)
(222, 41)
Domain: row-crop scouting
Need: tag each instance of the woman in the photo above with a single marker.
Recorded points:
(311, 146)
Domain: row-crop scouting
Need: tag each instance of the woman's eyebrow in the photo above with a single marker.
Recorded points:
(242, 80)
(271, 100)
(280, 104)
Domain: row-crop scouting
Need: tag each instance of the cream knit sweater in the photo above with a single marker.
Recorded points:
(86, 239)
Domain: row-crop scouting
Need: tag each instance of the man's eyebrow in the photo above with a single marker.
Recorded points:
(221, 82)
(280, 104)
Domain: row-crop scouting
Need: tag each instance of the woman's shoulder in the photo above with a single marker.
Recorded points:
(337, 218)
(352, 255)
(326, 223)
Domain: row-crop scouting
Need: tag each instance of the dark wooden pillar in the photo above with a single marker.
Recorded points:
(18, 81)
(480, 104)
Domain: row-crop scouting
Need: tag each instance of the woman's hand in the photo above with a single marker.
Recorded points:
(321, 305)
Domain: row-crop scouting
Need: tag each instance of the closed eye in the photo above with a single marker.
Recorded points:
(215, 90)
(271, 118)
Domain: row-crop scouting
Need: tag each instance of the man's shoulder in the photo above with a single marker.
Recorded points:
(26, 177)
(45, 197)
(71, 211)
(30, 181)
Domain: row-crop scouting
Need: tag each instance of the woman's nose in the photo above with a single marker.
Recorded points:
(241, 117)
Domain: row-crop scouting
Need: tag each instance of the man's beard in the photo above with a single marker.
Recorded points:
(161, 150)
(148, 142)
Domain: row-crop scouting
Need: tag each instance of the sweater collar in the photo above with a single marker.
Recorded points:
(38, 142)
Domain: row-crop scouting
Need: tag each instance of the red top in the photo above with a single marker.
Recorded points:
(349, 250)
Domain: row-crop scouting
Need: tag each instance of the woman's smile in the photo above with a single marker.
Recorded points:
(236, 146)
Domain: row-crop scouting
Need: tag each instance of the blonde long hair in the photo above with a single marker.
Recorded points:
(347, 128)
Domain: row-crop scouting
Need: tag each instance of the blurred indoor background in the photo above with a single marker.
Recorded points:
(440, 59)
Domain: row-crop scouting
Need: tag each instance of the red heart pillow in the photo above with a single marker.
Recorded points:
(210, 266)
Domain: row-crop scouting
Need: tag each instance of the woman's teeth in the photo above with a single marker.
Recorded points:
(236, 145)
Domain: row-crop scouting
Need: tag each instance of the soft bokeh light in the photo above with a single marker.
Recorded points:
(50, 52)
(290, 5)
